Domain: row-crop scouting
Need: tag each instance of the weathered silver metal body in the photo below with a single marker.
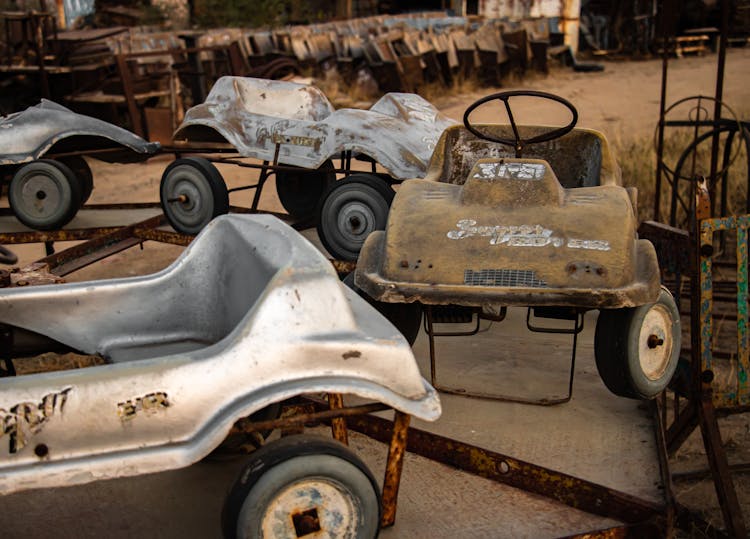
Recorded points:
(30, 134)
(399, 131)
(250, 314)
(484, 228)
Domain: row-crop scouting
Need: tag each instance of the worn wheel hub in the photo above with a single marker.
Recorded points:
(655, 343)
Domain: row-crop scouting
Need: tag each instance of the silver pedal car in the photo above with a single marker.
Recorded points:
(249, 315)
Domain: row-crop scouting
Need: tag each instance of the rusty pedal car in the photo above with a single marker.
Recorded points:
(297, 133)
(241, 320)
(42, 163)
(546, 225)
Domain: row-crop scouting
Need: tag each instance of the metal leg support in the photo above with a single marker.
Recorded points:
(393, 468)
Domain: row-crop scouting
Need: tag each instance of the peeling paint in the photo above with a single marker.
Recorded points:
(25, 419)
(150, 404)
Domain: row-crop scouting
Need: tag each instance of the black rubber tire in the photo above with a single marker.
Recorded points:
(207, 196)
(307, 463)
(300, 192)
(625, 339)
(407, 317)
(44, 194)
(82, 171)
(350, 210)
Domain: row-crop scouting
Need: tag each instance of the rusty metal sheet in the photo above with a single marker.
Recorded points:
(399, 131)
(30, 134)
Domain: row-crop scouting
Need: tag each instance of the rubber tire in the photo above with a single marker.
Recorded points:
(68, 188)
(202, 179)
(82, 171)
(407, 317)
(285, 461)
(300, 192)
(364, 190)
(617, 349)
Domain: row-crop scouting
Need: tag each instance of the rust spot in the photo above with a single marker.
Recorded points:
(351, 354)
(404, 263)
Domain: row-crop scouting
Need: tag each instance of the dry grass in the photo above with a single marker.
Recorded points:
(50, 362)
(637, 159)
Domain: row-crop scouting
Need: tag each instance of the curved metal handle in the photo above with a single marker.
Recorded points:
(7, 256)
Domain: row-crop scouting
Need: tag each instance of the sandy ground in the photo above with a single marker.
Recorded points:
(622, 102)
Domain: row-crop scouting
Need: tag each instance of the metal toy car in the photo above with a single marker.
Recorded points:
(296, 131)
(548, 225)
(42, 160)
(241, 320)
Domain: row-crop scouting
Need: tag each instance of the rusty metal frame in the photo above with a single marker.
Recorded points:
(308, 411)
(541, 401)
(708, 227)
(703, 407)
(574, 492)
(640, 517)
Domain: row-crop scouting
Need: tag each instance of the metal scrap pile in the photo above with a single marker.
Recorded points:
(145, 80)
(405, 52)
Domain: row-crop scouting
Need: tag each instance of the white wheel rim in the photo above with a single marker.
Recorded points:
(314, 507)
(41, 195)
(655, 342)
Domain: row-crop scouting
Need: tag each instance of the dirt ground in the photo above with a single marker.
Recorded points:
(622, 102)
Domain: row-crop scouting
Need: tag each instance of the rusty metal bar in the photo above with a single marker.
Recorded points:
(567, 489)
(127, 90)
(718, 95)
(247, 426)
(39, 236)
(79, 256)
(542, 401)
(393, 467)
(662, 106)
(145, 232)
(659, 414)
(717, 460)
(338, 424)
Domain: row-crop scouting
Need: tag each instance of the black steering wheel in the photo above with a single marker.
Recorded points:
(518, 143)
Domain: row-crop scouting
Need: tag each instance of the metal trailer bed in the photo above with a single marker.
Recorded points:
(631, 496)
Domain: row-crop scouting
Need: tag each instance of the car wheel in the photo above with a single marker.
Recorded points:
(82, 171)
(407, 317)
(351, 209)
(301, 485)
(44, 194)
(637, 349)
(192, 193)
(300, 191)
